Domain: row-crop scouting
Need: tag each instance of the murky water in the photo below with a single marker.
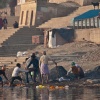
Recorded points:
(29, 93)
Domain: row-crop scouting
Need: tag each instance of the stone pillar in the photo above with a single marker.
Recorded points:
(85, 23)
(46, 39)
(73, 24)
(97, 22)
(89, 22)
(94, 22)
(77, 24)
(81, 24)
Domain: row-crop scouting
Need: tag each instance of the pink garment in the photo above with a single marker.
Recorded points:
(44, 69)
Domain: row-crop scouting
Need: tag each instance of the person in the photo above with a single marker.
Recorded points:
(76, 70)
(1, 23)
(81, 72)
(15, 73)
(27, 61)
(43, 65)
(35, 67)
(2, 72)
(5, 22)
(15, 25)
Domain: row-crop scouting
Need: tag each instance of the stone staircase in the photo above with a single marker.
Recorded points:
(66, 20)
(5, 34)
(11, 61)
(11, 20)
(21, 40)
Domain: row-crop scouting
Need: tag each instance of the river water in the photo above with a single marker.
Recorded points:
(30, 93)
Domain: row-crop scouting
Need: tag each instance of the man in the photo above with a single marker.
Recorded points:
(43, 65)
(2, 72)
(35, 67)
(81, 72)
(15, 25)
(5, 22)
(15, 73)
(76, 70)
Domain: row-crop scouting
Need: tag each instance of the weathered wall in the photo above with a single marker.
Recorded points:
(92, 35)
(17, 10)
(88, 2)
(81, 2)
(59, 40)
(27, 19)
(7, 10)
(48, 11)
(60, 1)
(19, 2)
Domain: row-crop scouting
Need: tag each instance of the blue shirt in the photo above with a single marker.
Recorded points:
(34, 62)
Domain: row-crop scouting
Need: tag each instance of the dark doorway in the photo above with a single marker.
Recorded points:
(31, 20)
(22, 17)
(26, 22)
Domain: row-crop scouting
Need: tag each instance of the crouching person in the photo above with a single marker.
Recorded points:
(2, 72)
(15, 74)
(76, 70)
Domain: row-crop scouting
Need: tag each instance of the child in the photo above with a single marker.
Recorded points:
(2, 72)
(15, 73)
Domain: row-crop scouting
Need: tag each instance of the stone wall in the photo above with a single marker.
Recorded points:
(92, 35)
(60, 1)
(59, 40)
(17, 10)
(88, 2)
(28, 14)
(81, 2)
(5, 11)
(19, 2)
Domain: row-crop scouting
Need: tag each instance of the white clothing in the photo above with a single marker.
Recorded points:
(28, 61)
(52, 40)
(70, 70)
(17, 70)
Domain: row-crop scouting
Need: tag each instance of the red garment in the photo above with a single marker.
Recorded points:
(1, 22)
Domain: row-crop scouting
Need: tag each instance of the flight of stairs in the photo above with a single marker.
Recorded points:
(21, 40)
(66, 20)
(5, 34)
(11, 20)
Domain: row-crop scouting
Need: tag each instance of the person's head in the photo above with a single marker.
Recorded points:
(44, 52)
(18, 65)
(4, 67)
(73, 64)
(15, 21)
(33, 55)
(26, 59)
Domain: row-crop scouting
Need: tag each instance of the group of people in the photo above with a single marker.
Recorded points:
(3, 23)
(32, 64)
(39, 67)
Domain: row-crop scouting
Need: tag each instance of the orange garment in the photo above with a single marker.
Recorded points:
(75, 70)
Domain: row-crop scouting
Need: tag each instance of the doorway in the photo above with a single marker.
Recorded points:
(26, 22)
(31, 20)
(22, 17)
